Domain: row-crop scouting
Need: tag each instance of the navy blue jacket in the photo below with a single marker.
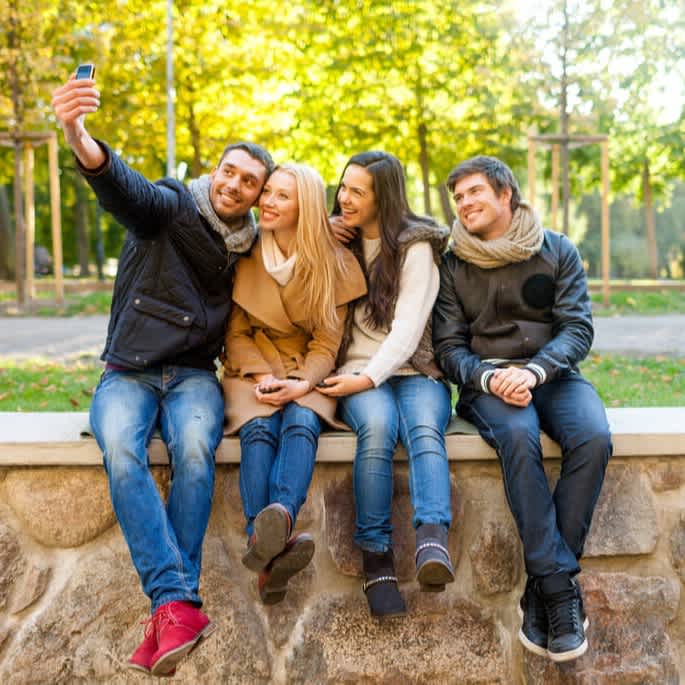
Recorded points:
(172, 294)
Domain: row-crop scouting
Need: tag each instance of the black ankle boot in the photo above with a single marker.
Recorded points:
(433, 564)
(380, 585)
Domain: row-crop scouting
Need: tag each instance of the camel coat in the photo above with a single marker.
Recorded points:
(268, 333)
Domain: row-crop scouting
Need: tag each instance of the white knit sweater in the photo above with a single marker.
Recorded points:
(380, 354)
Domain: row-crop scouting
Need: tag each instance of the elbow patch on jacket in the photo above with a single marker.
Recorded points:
(538, 291)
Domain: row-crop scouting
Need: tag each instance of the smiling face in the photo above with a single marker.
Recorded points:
(480, 210)
(357, 200)
(279, 208)
(235, 184)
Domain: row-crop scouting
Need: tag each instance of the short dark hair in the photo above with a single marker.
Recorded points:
(256, 151)
(499, 175)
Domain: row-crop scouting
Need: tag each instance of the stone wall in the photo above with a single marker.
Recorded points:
(71, 604)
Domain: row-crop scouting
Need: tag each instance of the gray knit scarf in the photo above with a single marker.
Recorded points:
(522, 240)
(238, 233)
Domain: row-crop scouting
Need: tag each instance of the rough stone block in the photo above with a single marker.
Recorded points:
(31, 587)
(667, 476)
(12, 562)
(625, 519)
(628, 642)
(678, 547)
(341, 643)
(496, 558)
(60, 507)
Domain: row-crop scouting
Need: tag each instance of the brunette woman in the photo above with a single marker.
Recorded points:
(388, 384)
(290, 300)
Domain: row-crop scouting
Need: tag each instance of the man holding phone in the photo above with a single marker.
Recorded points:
(172, 297)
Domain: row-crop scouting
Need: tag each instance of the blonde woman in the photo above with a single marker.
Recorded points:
(290, 300)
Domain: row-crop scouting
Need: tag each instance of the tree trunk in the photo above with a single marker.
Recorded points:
(563, 120)
(81, 225)
(650, 222)
(19, 236)
(195, 143)
(6, 254)
(425, 169)
(18, 115)
(446, 204)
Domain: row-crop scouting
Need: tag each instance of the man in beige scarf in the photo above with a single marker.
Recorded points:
(510, 325)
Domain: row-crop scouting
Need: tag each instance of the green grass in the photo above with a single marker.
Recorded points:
(75, 304)
(45, 386)
(628, 382)
(88, 303)
(621, 382)
(640, 302)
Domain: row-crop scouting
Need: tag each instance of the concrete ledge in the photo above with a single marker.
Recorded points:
(54, 439)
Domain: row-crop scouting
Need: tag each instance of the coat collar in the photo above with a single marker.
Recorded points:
(258, 293)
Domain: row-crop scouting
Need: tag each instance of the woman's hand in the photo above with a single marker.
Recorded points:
(341, 232)
(279, 392)
(345, 384)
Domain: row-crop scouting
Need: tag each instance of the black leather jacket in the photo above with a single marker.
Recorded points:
(172, 294)
(535, 313)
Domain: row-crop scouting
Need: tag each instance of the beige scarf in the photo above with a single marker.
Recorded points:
(522, 240)
(277, 265)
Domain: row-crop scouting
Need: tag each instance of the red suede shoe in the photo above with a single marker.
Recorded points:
(179, 627)
(142, 658)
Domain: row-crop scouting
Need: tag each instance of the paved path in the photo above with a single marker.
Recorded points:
(71, 338)
(641, 335)
(66, 338)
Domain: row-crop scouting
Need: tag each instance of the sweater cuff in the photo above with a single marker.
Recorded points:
(482, 377)
(538, 371)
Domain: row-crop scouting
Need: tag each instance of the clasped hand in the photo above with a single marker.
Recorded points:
(279, 391)
(513, 385)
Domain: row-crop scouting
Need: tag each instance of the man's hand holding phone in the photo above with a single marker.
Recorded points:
(71, 102)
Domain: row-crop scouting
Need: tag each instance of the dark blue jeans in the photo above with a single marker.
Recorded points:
(277, 455)
(552, 525)
(188, 407)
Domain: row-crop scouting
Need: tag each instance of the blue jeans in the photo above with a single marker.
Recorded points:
(552, 526)
(277, 456)
(415, 410)
(187, 405)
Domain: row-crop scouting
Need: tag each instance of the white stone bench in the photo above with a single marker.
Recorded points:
(55, 439)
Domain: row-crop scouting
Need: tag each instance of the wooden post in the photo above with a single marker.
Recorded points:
(531, 170)
(555, 185)
(29, 221)
(20, 232)
(605, 222)
(56, 219)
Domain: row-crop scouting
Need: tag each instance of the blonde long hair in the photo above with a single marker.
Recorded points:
(319, 262)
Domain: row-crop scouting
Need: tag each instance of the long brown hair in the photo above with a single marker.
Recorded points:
(394, 215)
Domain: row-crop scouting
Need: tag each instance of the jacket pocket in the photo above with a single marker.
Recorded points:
(164, 311)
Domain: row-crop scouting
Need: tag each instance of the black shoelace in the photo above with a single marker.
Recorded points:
(563, 612)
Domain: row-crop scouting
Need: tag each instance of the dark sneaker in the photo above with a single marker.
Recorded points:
(534, 628)
(565, 616)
